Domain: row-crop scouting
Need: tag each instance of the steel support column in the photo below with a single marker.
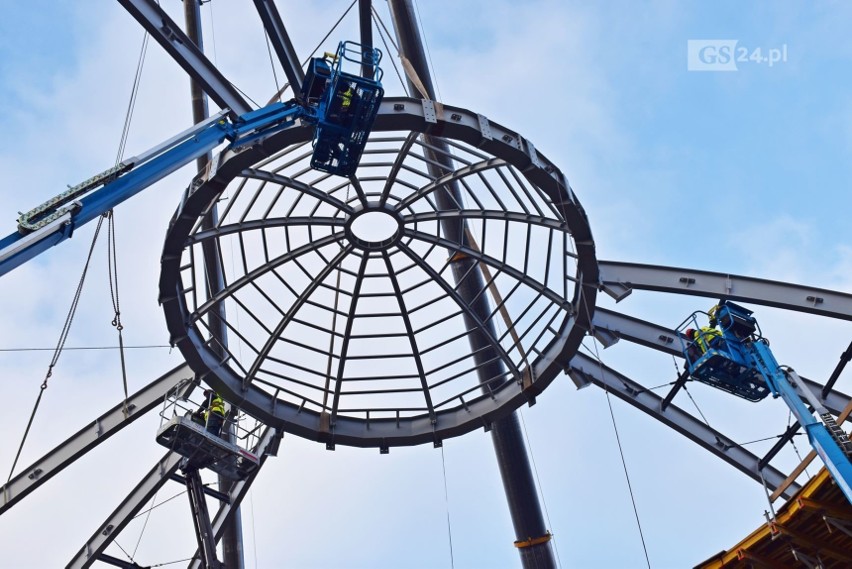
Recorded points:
(201, 519)
(518, 482)
(281, 43)
(232, 539)
(163, 29)
(268, 446)
(365, 21)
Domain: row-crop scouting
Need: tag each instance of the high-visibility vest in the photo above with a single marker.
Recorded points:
(706, 336)
(347, 99)
(217, 406)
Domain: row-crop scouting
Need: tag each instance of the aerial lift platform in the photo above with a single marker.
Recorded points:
(229, 450)
(346, 105)
(341, 105)
(731, 354)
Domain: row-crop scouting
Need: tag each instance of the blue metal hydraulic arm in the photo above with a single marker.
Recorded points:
(736, 358)
(55, 220)
(341, 105)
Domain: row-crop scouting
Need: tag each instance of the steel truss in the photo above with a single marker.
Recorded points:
(505, 183)
(350, 303)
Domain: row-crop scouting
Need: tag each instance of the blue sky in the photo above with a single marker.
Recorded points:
(744, 172)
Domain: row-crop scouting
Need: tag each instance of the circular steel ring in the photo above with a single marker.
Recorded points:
(469, 309)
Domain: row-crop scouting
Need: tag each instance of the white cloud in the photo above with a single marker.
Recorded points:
(549, 70)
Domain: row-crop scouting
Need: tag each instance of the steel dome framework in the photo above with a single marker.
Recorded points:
(327, 280)
(367, 340)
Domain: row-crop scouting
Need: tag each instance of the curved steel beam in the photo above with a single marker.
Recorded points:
(442, 182)
(261, 224)
(252, 275)
(176, 43)
(501, 266)
(347, 336)
(584, 371)
(479, 324)
(412, 338)
(298, 185)
(291, 313)
(404, 151)
(90, 436)
(619, 279)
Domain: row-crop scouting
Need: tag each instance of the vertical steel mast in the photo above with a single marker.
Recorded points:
(232, 538)
(532, 537)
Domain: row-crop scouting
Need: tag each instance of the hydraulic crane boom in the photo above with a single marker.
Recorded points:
(341, 105)
(826, 437)
(55, 220)
(736, 358)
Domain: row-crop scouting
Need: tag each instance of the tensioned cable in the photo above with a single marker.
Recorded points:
(72, 348)
(213, 33)
(334, 27)
(63, 336)
(272, 63)
(253, 533)
(620, 449)
(582, 292)
(115, 541)
(172, 562)
(213, 37)
(793, 442)
(385, 43)
(447, 505)
(691, 398)
(131, 104)
(144, 525)
(112, 256)
(428, 51)
(615, 430)
(244, 94)
(697, 408)
(155, 506)
(66, 328)
(765, 439)
(280, 92)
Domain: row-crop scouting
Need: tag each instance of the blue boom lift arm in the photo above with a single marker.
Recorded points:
(736, 358)
(342, 105)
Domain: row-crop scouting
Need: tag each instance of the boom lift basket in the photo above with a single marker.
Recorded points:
(346, 104)
(183, 434)
(719, 360)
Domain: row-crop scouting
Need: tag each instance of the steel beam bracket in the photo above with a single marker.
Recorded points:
(531, 541)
